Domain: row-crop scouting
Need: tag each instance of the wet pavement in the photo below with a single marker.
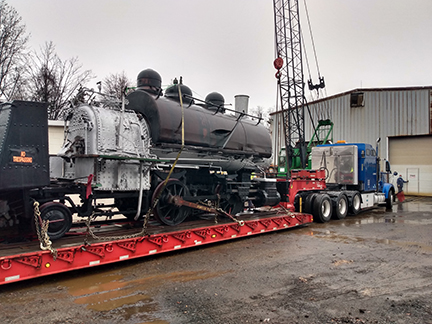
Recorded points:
(375, 267)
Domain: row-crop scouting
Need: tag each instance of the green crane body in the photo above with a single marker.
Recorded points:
(323, 134)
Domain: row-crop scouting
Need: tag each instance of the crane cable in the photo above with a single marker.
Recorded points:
(318, 112)
(312, 39)
(306, 59)
(326, 109)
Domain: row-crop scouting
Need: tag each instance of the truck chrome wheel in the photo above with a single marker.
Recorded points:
(340, 204)
(322, 208)
(355, 204)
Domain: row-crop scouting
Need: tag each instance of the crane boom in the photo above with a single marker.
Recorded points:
(290, 79)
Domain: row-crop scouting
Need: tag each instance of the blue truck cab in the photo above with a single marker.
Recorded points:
(353, 167)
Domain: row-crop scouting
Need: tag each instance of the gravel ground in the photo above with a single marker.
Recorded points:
(375, 267)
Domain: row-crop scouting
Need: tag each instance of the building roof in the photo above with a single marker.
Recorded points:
(413, 88)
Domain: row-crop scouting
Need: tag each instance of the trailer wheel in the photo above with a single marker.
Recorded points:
(355, 204)
(166, 212)
(308, 205)
(59, 218)
(340, 204)
(322, 208)
(390, 199)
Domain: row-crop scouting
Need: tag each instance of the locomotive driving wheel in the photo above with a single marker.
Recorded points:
(232, 205)
(166, 212)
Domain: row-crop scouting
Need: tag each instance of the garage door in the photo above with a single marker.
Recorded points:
(412, 157)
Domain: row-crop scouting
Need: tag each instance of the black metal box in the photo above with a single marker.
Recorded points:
(24, 158)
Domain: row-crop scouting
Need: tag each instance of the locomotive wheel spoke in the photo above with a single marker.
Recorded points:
(166, 212)
(233, 205)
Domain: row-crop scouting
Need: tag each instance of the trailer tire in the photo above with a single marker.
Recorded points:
(390, 199)
(340, 205)
(355, 204)
(308, 205)
(322, 207)
(59, 217)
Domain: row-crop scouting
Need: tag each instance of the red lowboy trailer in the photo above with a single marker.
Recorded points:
(21, 261)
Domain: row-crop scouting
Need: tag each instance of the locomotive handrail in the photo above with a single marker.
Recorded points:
(117, 157)
(210, 149)
(242, 113)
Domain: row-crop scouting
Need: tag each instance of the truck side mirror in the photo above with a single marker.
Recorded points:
(387, 166)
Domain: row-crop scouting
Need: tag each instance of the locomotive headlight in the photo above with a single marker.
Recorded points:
(47, 265)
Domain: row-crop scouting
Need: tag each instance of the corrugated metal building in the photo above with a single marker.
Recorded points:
(55, 136)
(401, 117)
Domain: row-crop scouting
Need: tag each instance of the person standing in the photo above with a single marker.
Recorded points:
(400, 182)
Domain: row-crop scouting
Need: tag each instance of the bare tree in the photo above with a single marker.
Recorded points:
(52, 80)
(13, 41)
(115, 84)
(264, 113)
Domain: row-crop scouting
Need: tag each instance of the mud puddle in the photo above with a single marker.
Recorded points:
(128, 297)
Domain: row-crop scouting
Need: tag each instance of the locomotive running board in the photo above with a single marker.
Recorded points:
(17, 267)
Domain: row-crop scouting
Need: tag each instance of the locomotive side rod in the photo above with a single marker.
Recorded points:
(179, 202)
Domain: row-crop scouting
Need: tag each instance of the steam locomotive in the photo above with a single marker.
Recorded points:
(165, 153)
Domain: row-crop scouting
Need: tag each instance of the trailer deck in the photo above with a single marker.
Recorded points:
(26, 260)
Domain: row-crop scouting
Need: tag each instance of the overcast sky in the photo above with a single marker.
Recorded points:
(228, 45)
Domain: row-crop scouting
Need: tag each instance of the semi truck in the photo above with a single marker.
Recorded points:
(345, 178)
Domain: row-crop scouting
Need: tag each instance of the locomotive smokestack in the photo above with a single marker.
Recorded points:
(241, 103)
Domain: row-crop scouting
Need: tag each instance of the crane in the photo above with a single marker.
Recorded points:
(344, 187)
(289, 65)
